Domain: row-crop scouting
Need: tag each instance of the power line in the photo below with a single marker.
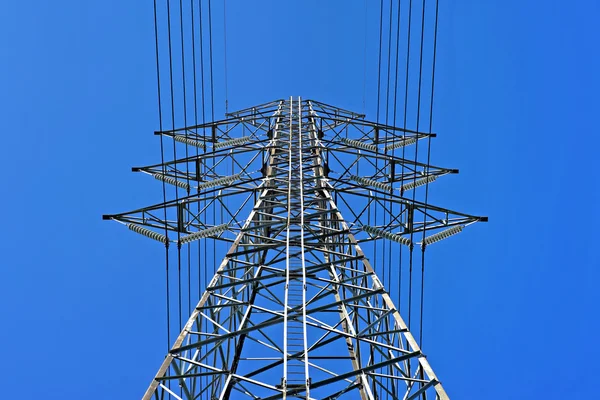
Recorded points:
(365, 62)
(195, 83)
(225, 52)
(183, 83)
(379, 62)
(212, 110)
(399, 246)
(419, 98)
(162, 158)
(172, 90)
(428, 160)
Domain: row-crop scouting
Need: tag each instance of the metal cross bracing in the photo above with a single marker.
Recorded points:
(295, 308)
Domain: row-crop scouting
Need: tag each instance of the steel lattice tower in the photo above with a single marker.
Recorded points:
(296, 309)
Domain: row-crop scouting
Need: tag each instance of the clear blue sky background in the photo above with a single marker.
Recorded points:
(512, 304)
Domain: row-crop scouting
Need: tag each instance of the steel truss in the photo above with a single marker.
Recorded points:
(295, 308)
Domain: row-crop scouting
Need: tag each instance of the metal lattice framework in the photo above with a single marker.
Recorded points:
(295, 308)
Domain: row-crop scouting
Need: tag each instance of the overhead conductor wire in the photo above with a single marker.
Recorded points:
(202, 93)
(225, 54)
(387, 102)
(365, 63)
(406, 90)
(390, 204)
(202, 271)
(403, 153)
(212, 110)
(372, 354)
(428, 160)
(416, 157)
(386, 211)
(395, 108)
(226, 206)
(174, 148)
(197, 150)
(186, 155)
(164, 189)
(407, 69)
(414, 193)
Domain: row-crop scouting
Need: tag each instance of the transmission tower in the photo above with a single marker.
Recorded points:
(295, 308)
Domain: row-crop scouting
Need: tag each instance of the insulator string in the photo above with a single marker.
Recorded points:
(226, 180)
(148, 233)
(371, 182)
(445, 234)
(171, 181)
(402, 143)
(387, 235)
(232, 142)
(213, 231)
(420, 182)
(359, 144)
(186, 140)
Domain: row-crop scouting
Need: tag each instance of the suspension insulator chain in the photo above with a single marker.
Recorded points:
(442, 235)
(387, 235)
(232, 142)
(171, 181)
(191, 142)
(372, 182)
(148, 233)
(214, 231)
(402, 143)
(226, 180)
(359, 144)
(418, 182)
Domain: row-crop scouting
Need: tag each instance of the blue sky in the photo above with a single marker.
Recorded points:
(512, 304)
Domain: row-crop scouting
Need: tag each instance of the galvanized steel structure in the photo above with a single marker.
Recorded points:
(295, 308)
